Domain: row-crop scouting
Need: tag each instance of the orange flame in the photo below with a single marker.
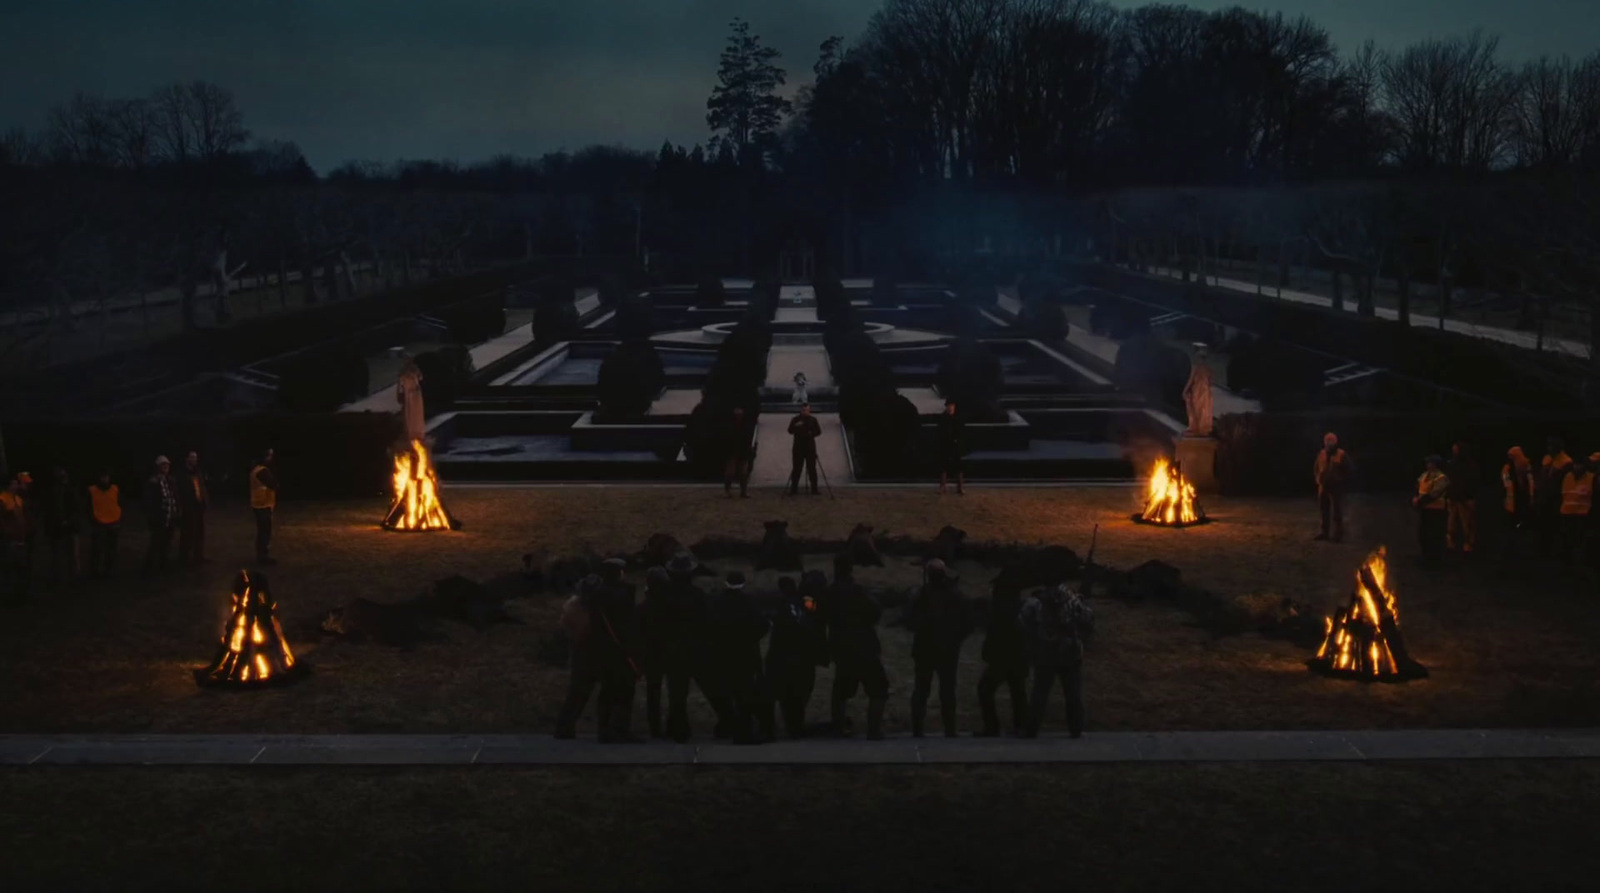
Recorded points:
(1169, 497)
(416, 493)
(249, 652)
(1357, 637)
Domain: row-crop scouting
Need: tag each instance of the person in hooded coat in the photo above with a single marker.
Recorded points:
(939, 624)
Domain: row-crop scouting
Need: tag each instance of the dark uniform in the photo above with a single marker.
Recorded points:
(734, 652)
(939, 624)
(852, 618)
(805, 429)
(798, 645)
(1005, 660)
(194, 497)
(1055, 627)
(740, 451)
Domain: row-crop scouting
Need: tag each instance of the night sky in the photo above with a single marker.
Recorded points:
(467, 79)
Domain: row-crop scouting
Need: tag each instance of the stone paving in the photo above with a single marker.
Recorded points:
(542, 750)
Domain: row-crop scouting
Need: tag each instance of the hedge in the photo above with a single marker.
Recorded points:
(709, 292)
(319, 456)
(1148, 366)
(635, 319)
(555, 320)
(324, 379)
(630, 379)
(970, 374)
(446, 372)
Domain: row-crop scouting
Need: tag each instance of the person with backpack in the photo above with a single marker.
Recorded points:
(797, 646)
(1005, 659)
(939, 624)
(1056, 623)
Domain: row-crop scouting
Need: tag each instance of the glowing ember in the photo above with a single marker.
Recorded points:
(253, 650)
(1169, 498)
(416, 494)
(1363, 639)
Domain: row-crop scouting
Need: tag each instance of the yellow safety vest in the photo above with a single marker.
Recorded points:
(106, 507)
(1433, 483)
(1577, 493)
(261, 495)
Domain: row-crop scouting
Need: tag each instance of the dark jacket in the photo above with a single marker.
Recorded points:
(740, 436)
(734, 635)
(61, 510)
(939, 621)
(805, 429)
(614, 635)
(1002, 644)
(1465, 479)
(672, 625)
(952, 436)
(852, 618)
(798, 641)
(185, 481)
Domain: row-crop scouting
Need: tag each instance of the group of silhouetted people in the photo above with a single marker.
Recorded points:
(683, 634)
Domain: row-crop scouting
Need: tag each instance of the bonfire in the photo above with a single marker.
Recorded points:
(1169, 498)
(253, 650)
(416, 494)
(1363, 639)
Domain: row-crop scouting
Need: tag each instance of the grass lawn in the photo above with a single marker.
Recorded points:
(1508, 643)
(1421, 826)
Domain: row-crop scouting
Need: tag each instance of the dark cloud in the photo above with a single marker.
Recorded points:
(471, 78)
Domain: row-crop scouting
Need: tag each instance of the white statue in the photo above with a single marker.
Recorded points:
(800, 388)
(408, 392)
(1197, 395)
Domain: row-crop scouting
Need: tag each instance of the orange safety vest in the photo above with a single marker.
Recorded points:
(261, 495)
(107, 509)
(13, 516)
(1577, 493)
(1433, 484)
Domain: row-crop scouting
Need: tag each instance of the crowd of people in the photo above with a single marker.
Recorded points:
(1549, 507)
(681, 634)
(57, 518)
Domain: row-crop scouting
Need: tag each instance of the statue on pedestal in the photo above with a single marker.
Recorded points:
(1197, 395)
(408, 392)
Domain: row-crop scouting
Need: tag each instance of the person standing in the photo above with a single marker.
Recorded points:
(581, 618)
(105, 518)
(678, 628)
(1547, 494)
(1056, 623)
(952, 447)
(939, 624)
(194, 497)
(1577, 503)
(1430, 502)
(1005, 660)
(852, 618)
(740, 450)
(805, 429)
(734, 642)
(654, 629)
(1462, 499)
(797, 646)
(263, 505)
(1332, 474)
(617, 638)
(16, 538)
(1516, 479)
(62, 525)
(161, 514)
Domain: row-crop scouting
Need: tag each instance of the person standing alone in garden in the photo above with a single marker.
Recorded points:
(1332, 473)
(194, 497)
(263, 504)
(805, 429)
(952, 447)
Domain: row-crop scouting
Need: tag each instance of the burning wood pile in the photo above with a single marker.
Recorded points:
(1169, 498)
(253, 650)
(416, 494)
(1363, 640)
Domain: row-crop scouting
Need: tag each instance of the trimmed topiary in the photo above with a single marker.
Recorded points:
(971, 375)
(446, 372)
(885, 291)
(555, 321)
(635, 319)
(710, 292)
(630, 379)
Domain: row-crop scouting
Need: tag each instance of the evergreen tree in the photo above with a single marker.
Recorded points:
(744, 111)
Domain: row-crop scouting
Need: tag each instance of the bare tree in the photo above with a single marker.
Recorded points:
(1557, 113)
(81, 132)
(1451, 101)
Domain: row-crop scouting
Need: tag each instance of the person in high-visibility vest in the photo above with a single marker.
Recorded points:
(263, 502)
(1547, 494)
(1517, 482)
(16, 538)
(105, 518)
(1577, 502)
(1432, 486)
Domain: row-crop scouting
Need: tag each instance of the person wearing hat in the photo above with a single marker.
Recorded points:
(679, 628)
(939, 624)
(1430, 502)
(1004, 657)
(734, 651)
(1577, 505)
(798, 643)
(161, 514)
(16, 538)
(852, 618)
(1056, 624)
